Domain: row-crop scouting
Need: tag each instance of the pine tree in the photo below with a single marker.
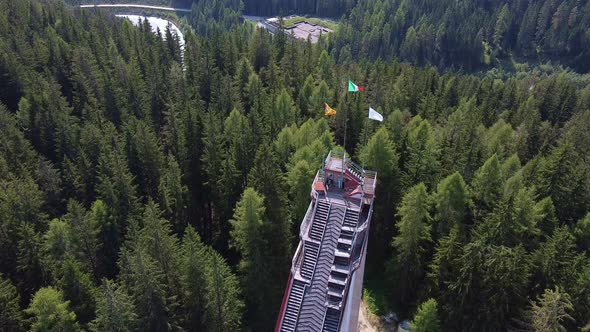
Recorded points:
(497, 273)
(118, 192)
(31, 266)
(411, 243)
(426, 318)
(582, 232)
(545, 214)
(193, 280)
(224, 308)
(56, 243)
(263, 178)
(550, 310)
(443, 268)
(174, 195)
(380, 155)
(299, 179)
(305, 95)
(83, 230)
(249, 240)
(239, 140)
(422, 162)
(283, 113)
(10, 313)
(146, 284)
(564, 177)
(513, 221)
(499, 140)
(155, 239)
(211, 159)
(78, 289)
(51, 313)
(554, 259)
(452, 203)
(487, 185)
(145, 156)
(115, 311)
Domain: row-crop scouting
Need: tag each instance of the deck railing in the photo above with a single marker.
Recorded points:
(306, 224)
(297, 259)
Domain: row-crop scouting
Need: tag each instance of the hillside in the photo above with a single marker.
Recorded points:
(149, 187)
(468, 34)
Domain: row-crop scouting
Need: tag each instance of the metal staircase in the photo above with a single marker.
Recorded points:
(341, 268)
(313, 309)
(319, 221)
(332, 321)
(293, 305)
(351, 219)
(310, 256)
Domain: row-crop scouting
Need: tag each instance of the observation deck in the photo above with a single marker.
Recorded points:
(325, 282)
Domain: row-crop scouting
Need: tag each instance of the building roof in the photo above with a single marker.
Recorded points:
(304, 30)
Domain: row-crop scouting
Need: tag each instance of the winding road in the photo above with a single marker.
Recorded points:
(170, 9)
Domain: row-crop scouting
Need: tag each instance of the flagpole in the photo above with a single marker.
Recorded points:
(344, 154)
(365, 145)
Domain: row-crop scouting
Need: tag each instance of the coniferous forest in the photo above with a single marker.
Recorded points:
(146, 186)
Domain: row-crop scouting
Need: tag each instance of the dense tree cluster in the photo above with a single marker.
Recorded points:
(467, 34)
(322, 8)
(151, 187)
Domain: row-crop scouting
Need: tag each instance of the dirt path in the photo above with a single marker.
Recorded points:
(365, 324)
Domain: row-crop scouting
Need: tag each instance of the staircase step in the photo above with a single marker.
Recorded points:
(340, 270)
(345, 241)
(337, 279)
(337, 295)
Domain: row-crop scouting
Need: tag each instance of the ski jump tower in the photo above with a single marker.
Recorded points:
(325, 284)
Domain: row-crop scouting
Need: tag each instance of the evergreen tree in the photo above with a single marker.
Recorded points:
(146, 285)
(224, 307)
(78, 289)
(212, 163)
(411, 243)
(249, 240)
(380, 155)
(554, 259)
(422, 162)
(155, 239)
(550, 311)
(115, 311)
(193, 279)
(452, 203)
(31, 266)
(582, 232)
(499, 274)
(266, 178)
(51, 313)
(487, 185)
(426, 318)
(174, 195)
(299, 179)
(10, 313)
(563, 177)
(117, 191)
(83, 230)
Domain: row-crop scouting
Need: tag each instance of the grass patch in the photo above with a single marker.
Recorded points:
(375, 296)
(326, 24)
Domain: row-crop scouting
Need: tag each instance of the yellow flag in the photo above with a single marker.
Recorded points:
(329, 110)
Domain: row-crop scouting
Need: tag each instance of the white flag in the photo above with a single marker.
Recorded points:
(374, 115)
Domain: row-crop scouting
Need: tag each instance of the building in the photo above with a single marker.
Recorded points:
(299, 30)
(325, 284)
(304, 30)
